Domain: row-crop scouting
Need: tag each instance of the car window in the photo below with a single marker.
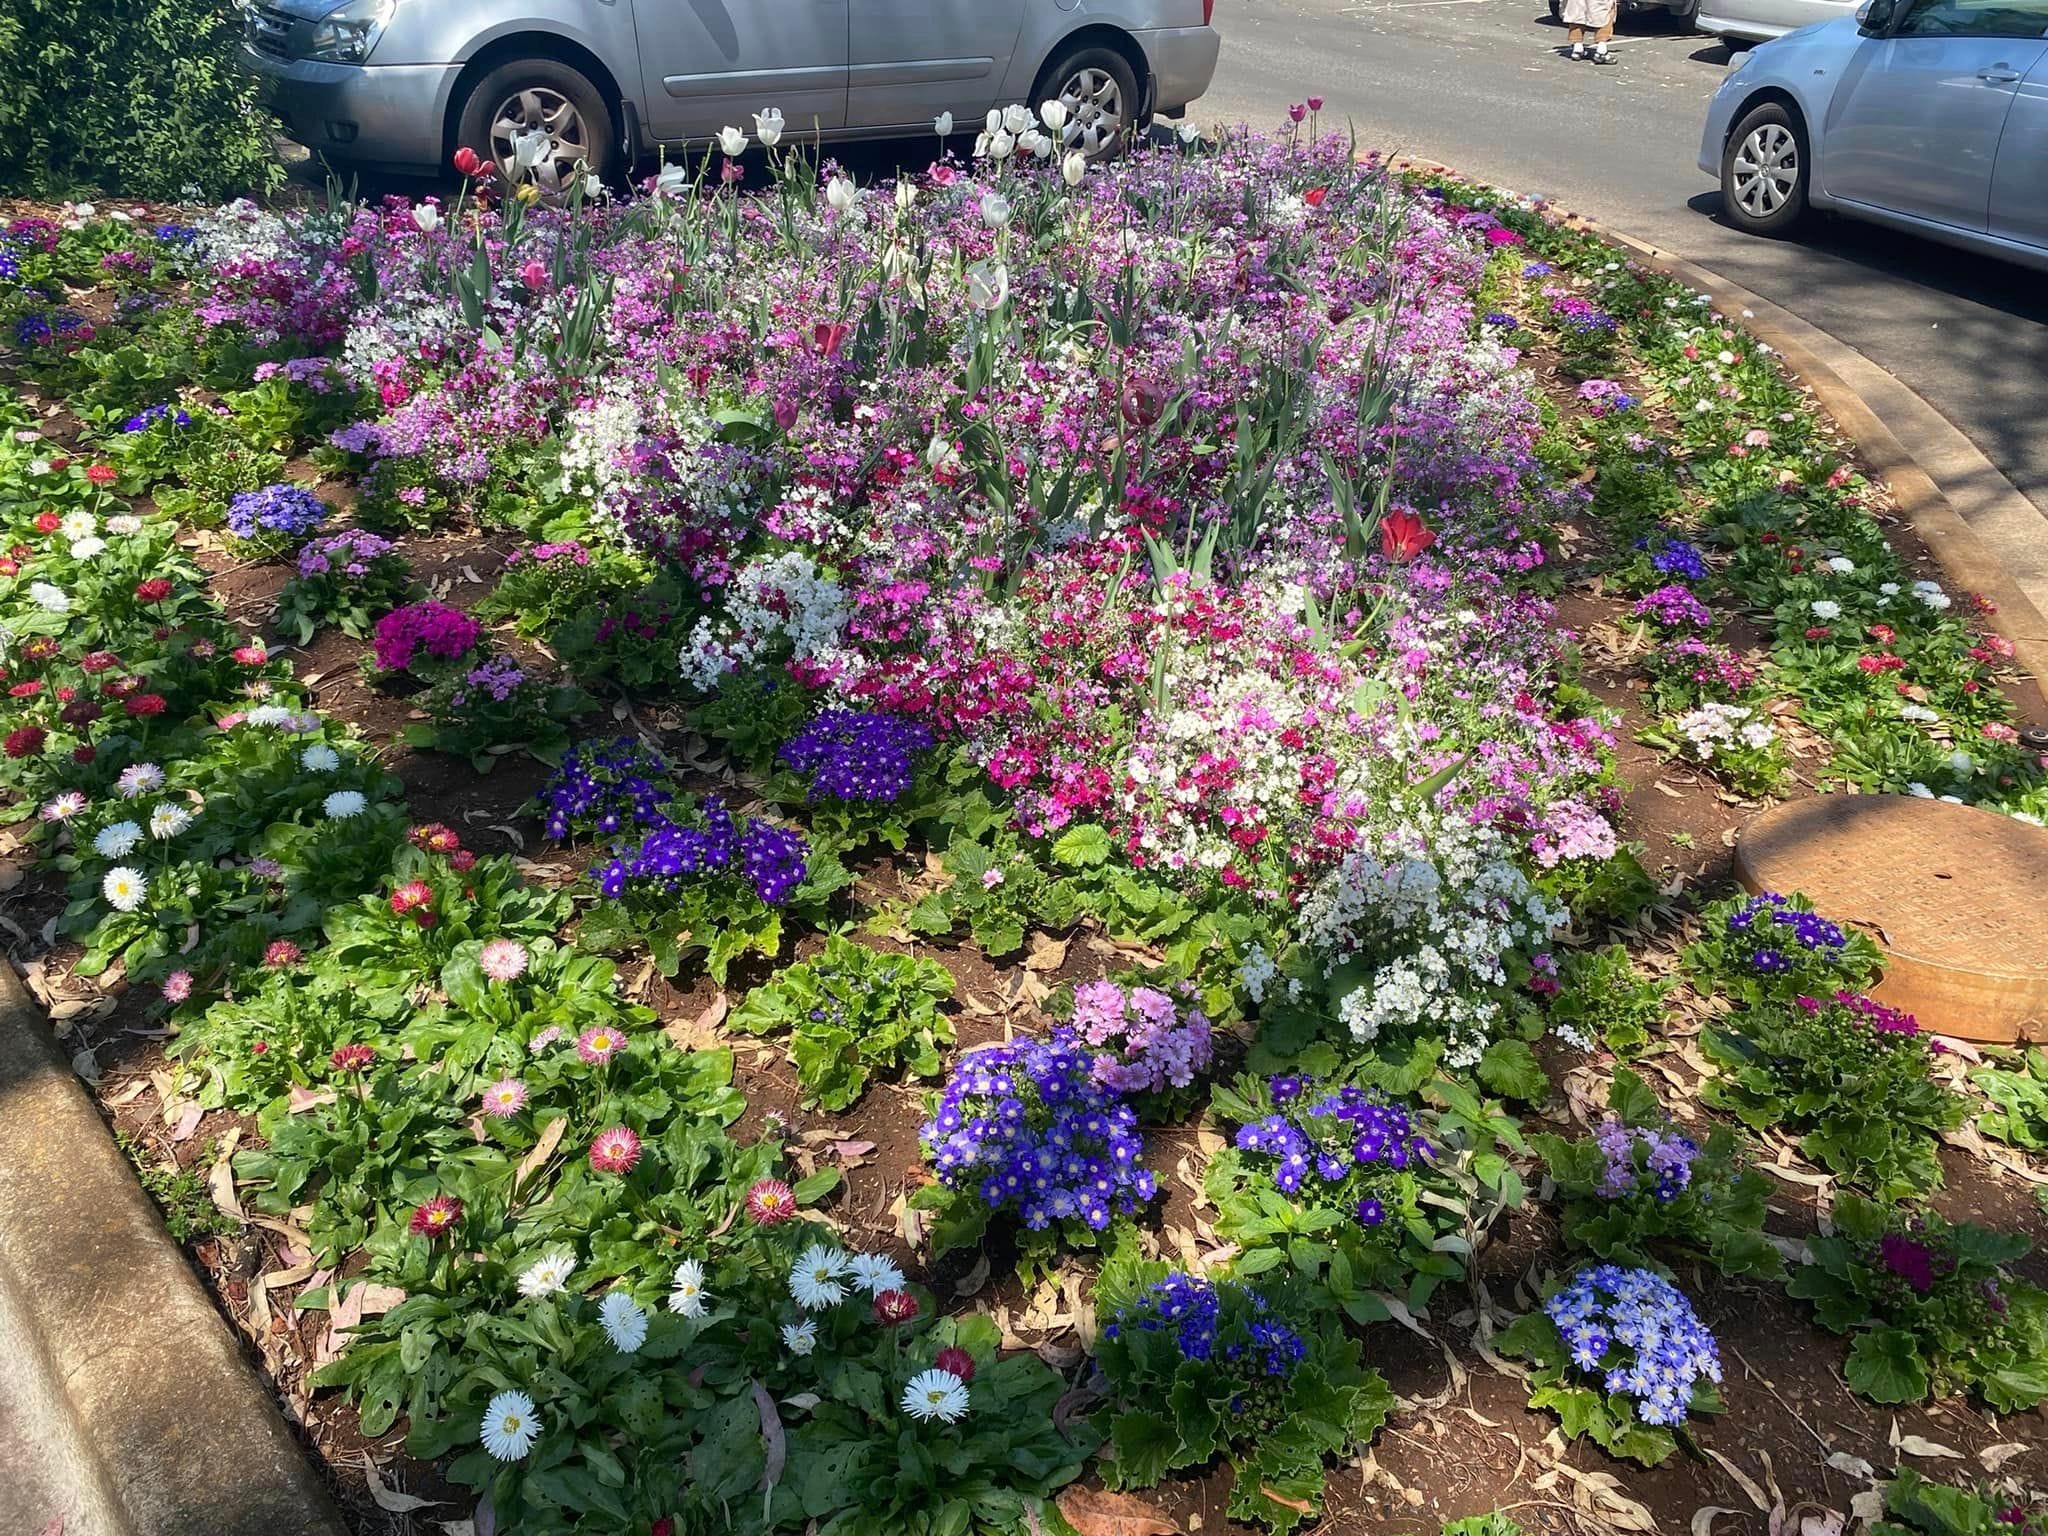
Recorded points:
(1976, 18)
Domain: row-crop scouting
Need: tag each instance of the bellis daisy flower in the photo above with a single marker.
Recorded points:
(124, 888)
(818, 1278)
(686, 1297)
(800, 1338)
(624, 1323)
(936, 1394)
(510, 1426)
(548, 1274)
(344, 804)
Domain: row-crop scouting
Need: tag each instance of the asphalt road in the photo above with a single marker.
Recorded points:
(1479, 85)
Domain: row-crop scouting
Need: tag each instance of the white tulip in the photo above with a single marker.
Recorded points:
(1016, 118)
(841, 193)
(427, 217)
(768, 127)
(942, 125)
(671, 180)
(988, 284)
(1038, 143)
(529, 149)
(593, 186)
(1001, 145)
(1053, 114)
(995, 209)
(1073, 168)
(732, 141)
(1189, 132)
(993, 123)
(940, 453)
(906, 194)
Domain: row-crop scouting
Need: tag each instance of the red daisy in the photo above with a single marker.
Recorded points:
(102, 474)
(615, 1151)
(154, 590)
(955, 1359)
(25, 742)
(144, 704)
(281, 953)
(770, 1201)
(437, 1216)
(48, 522)
(895, 1307)
(352, 1058)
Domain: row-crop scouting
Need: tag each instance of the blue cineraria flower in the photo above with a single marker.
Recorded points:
(857, 755)
(1638, 1333)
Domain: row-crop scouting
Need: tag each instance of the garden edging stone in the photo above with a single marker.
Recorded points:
(1999, 549)
(172, 1428)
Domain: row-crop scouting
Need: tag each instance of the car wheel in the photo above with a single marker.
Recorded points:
(1764, 168)
(527, 96)
(1099, 89)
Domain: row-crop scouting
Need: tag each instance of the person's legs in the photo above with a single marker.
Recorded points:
(1600, 53)
(1578, 41)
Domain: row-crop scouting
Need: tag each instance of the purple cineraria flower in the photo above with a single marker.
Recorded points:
(857, 756)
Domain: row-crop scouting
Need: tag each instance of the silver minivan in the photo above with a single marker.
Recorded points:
(401, 84)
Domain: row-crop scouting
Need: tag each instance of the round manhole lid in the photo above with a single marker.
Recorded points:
(1957, 897)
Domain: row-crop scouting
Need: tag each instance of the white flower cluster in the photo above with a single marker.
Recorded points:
(783, 598)
(1430, 924)
(1716, 727)
(596, 440)
(399, 332)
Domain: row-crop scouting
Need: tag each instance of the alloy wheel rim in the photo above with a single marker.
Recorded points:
(540, 108)
(1766, 170)
(1095, 111)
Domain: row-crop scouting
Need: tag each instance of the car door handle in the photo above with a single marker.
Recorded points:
(1999, 74)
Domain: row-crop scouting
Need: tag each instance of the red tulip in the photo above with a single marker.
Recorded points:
(829, 338)
(1314, 196)
(468, 161)
(1403, 536)
(534, 275)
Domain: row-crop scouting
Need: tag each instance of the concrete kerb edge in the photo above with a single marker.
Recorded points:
(1818, 361)
(187, 1438)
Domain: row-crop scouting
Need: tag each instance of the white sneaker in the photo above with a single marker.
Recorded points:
(1578, 50)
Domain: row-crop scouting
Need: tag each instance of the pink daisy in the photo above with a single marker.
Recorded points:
(615, 1150)
(769, 1201)
(436, 1216)
(505, 1098)
(599, 1044)
(502, 959)
(177, 986)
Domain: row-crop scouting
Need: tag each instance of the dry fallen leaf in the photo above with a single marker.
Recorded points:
(1703, 1518)
(543, 1149)
(1093, 1512)
(1047, 954)
(220, 1178)
(388, 1499)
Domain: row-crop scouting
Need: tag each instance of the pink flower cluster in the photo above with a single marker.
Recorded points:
(1141, 1039)
(444, 633)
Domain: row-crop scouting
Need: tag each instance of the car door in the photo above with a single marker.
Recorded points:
(2019, 184)
(910, 60)
(708, 63)
(1914, 122)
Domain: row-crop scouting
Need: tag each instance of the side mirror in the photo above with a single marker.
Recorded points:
(1874, 17)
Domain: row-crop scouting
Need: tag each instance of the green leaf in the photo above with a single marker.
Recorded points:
(1083, 847)
(1885, 1366)
(1146, 1447)
(1511, 1070)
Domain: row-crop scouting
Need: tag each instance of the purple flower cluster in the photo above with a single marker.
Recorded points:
(1768, 922)
(605, 790)
(1350, 1140)
(1604, 397)
(150, 415)
(1673, 607)
(1678, 557)
(670, 854)
(444, 633)
(353, 549)
(500, 677)
(1576, 314)
(1637, 1329)
(570, 549)
(1886, 1021)
(1027, 1128)
(857, 754)
(1667, 1155)
(1142, 1042)
(1194, 1307)
(290, 510)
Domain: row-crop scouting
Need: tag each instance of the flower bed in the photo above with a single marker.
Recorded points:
(1151, 571)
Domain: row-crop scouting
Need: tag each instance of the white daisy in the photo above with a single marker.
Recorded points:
(936, 1394)
(117, 841)
(876, 1273)
(510, 1426)
(139, 779)
(269, 714)
(344, 804)
(168, 820)
(124, 888)
(1825, 610)
(78, 525)
(87, 549)
(817, 1281)
(65, 806)
(624, 1323)
(124, 524)
(687, 1296)
(800, 1338)
(548, 1274)
(320, 759)
(48, 598)
(1840, 565)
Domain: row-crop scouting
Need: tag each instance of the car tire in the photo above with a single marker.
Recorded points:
(1764, 171)
(523, 94)
(1100, 91)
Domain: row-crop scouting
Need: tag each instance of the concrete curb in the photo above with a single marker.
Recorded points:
(149, 1421)
(1999, 551)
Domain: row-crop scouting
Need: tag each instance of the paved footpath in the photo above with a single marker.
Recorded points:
(1478, 84)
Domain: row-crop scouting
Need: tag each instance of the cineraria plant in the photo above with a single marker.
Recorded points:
(489, 705)
(1933, 1306)
(1913, 1506)
(1850, 1077)
(1736, 741)
(1327, 1181)
(1775, 948)
(2017, 1086)
(1621, 1357)
(348, 579)
(545, 585)
(864, 775)
(1024, 1128)
(1194, 1367)
(1642, 1191)
(606, 791)
(704, 879)
(850, 1012)
(1148, 1043)
(277, 517)
(1602, 996)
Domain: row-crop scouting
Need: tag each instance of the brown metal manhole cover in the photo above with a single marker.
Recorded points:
(1956, 897)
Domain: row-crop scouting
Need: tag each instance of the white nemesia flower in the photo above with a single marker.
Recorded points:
(876, 1273)
(48, 598)
(1827, 612)
(624, 1323)
(768, 127)
(168, 820)
(800, 1338)
(124, 888)
(936, 1394)
(686, 1298)
(117, 840)
(841, 193)
(320, 759)
(548, 1274)
(817, 1280)
(732, 141)
(510, 1426)
(344, 804)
